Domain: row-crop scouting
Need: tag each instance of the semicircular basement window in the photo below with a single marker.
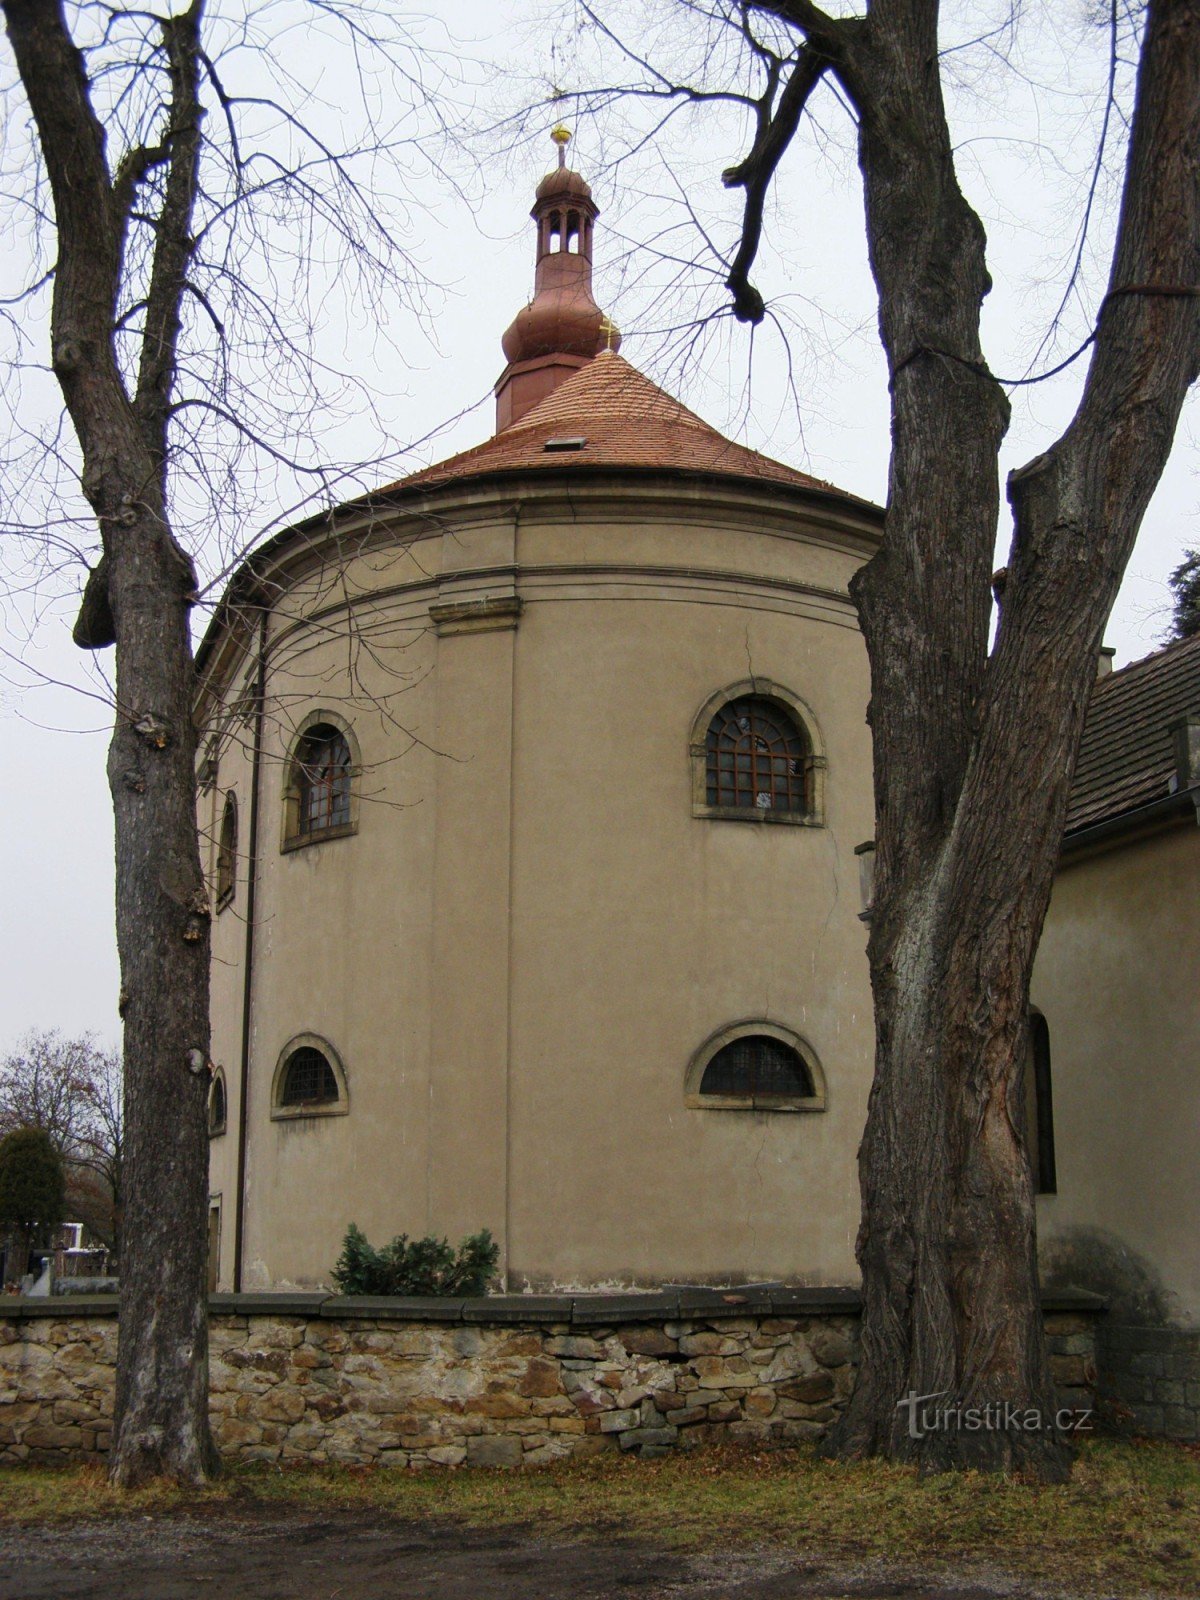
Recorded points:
(309, 1081)
(755, 1066)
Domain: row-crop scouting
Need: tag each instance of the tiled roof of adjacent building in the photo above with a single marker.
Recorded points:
(624, 420)
(1126, 758)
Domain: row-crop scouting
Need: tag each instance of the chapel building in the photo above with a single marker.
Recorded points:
(534, 784)
(537, 787)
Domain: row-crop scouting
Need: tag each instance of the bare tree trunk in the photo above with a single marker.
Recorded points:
(973, 754)
(161, 1422)
(139, 598)
(973, 757)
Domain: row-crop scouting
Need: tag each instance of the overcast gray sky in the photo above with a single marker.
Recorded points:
(1025, 142)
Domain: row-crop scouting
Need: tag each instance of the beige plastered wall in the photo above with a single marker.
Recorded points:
(1118, 979)
(529, 935)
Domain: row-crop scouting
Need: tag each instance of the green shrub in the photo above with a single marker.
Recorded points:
(418, 1266)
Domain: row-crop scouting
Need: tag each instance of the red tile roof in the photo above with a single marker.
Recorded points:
(625, 421)
(1125, 757)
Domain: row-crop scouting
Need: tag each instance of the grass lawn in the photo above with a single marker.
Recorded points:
(1129, 1520)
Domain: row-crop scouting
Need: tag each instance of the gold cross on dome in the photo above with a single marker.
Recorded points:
(608, 327)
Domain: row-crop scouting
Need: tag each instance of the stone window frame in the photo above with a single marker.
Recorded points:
(227, 847)
(318, 1108)
(815, 762)
(292, 838)
(216, 1127)
(748, 1027)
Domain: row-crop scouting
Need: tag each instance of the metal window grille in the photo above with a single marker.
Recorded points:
(308, 1079)
(324, 781)
(757, 1065)
(757, 758)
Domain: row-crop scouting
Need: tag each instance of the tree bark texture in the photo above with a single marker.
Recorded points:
(161, 1421)
(973, 753)
(973, 756)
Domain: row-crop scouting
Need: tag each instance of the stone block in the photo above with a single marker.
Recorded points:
(810, 1389)
(275, 1335)
(1057, 1323)
(576, 1347)
(1076, 1344)
(724, 1411)
(593, 1444)
(589, 1399)
(543, 1454)
(283, 1404)
(234, 1433)
(494, 1450)
(1068, 1370)
(1179, 1422)
(75, 1358)
(759, 1402)
(708, 1344)
(516, 1344)
(647, 1341)
(748, 1429)
(800, 1429)
(688, 1416)
(644, 1438)
(68, 1411)
(540, 1379)
(618, 1421)
(308, 1357)
(831, 1349)
(558, 1405)
(1148, 1362)
(724, 1372)
(498, 1406)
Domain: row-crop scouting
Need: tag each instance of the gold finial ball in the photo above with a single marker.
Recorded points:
(561, 135)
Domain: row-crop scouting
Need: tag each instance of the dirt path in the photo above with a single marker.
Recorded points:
(291, 1555)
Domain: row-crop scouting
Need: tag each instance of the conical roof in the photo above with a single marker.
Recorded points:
(623, 420)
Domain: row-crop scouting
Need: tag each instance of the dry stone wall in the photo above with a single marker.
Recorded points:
(505, 1381)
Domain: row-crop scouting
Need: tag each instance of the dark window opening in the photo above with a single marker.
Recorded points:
(758, 1066)
(308, 1079)
(757, 758)
(1039, 1107)
(216, 1106)
(227, 851)
(323, 781)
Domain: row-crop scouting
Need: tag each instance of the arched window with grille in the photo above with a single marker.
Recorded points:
(758, 1066)
(755, 757)
(320, 800)
(227, 843)
(309, 1080)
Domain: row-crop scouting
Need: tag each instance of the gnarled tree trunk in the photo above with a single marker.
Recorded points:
(973, 752)
(973, 755)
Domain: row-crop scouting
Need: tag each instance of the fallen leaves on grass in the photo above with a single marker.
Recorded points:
(1129, 1517)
